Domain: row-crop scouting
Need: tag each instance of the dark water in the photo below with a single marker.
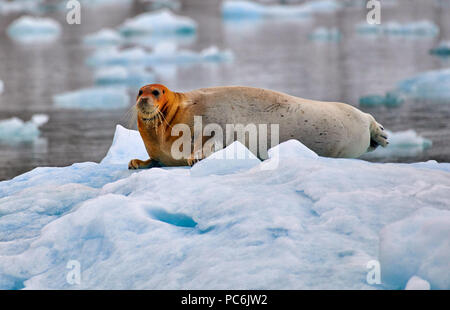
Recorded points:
(272, 54)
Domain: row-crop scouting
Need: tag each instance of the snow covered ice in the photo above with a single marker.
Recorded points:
(162, 22)
(249, 10)
(94, 98)
(14, 130)
(29, 29)
(307, 222)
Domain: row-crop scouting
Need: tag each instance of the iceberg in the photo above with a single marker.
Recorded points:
(118, 75)
(252, 10)
(417, 28)
(391, 99)
(29, 29)
(162, 54)
(14, 130)
(104, 37)
(162, 22)
(442, 49)
(401, 144)
(18, 6)
(308, 223)
(94, 98)
(325, 34)
(431, 85)
(163, 4)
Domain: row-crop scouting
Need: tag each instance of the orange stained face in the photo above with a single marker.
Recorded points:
(152, 98)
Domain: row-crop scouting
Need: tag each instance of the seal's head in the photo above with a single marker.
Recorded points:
(152, 100)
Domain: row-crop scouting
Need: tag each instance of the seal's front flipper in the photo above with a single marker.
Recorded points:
(140, 164)
(377, 136)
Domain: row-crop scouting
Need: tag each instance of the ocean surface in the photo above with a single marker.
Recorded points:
(273, 54)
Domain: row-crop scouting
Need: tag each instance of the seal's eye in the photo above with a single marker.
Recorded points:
(155, 92)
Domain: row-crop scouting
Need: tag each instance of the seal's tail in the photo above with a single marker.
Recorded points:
(377, 135)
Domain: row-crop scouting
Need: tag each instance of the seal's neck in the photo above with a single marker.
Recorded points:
(171, 106)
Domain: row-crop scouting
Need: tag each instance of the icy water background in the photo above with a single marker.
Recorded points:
(270, 54)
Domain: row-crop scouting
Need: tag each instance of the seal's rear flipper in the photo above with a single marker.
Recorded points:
(377, 136)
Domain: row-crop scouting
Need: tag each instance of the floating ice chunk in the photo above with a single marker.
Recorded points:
(29, 29)
(162, 4)
(401, 144)
(104, 2)
(120, 151)
(417, 246)
(416, 283)
(392, 99)
(247, 9)
(418, 28)
(39, 119)
(115, 56)
(95, 98)
(133, 76)
(325, 34)
(432, 85)
(363, 3)
(164, 53)
(161, 22)
(443, 49)
(234, 158)
(104, 37)
(18, 6)
(14, 130)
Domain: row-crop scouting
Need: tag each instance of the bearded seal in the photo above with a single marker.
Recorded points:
(331, 129)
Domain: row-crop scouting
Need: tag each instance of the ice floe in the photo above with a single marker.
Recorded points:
(14, 130)
(433, 85)
(94, 98)
(401, 144)
(18, 6)
(162, 22)
(442, 49)
(249, 10)
(308, 222)
(163, 4)
(391, 99)
(104, 37)
(417, 28)
(29, 29)
(164, 53)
